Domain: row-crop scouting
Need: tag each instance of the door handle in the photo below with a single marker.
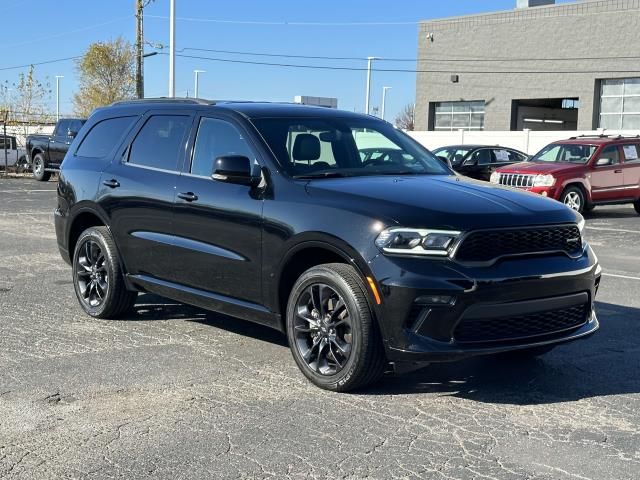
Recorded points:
(617, 171)
(113, 183)
(188, 196)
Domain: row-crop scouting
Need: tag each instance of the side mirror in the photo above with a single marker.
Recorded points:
(72, 134)
(604, 161)
(470, 162)
(234, 169)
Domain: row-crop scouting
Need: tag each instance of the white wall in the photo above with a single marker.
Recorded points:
(526, 141)
(21, 132)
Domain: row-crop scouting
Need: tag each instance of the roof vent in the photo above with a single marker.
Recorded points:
(534, 3)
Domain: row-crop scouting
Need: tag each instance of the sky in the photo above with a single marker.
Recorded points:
(336, 28)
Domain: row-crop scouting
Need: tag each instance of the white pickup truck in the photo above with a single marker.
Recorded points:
(16, 156)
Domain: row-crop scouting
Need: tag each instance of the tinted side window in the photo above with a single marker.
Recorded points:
(74, 126)
(160, 142)
(216, 138)
(482, 157)
(504, 156)
(104, 136)
(61, 128)
(612, 153)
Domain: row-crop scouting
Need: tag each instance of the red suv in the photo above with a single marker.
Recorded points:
(581, 172)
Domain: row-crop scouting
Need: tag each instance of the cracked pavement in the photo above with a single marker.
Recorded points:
(172, 391)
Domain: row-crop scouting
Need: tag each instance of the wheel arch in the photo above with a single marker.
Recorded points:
(308, 252)
(578, 183)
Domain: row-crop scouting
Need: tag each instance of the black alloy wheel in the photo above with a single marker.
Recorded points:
(97, 275)
(332, 332)
(323, 329)
(92, 274)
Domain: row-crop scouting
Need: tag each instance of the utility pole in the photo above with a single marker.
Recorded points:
(384, 100)
(139, 48)
(58, 77)
(368, 97)
(195, 90)
(172, 48)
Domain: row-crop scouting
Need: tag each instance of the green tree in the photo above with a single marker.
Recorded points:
(107, 74)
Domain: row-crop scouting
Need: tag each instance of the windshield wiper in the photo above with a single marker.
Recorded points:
(312, 176)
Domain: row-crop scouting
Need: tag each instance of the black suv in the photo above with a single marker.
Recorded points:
(272, 213)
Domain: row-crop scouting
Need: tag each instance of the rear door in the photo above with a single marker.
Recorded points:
(218, 226)
(138, 190)
(631, 169)
(607, 181)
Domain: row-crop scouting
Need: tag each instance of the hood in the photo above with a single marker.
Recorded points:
(541, 167)
(436, 201)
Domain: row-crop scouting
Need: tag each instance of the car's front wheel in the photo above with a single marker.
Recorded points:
(332, 333)
(97, 275)
(573, 198)
(636, 205)
(39, 166)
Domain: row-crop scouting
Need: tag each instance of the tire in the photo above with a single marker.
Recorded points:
(98, 277)
(636, 205)
(39, 172)
(334, 289)
(589, 208)
(573, 198)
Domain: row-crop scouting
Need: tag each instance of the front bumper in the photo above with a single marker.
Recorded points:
(503, 298)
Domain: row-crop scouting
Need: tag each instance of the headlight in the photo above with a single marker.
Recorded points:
(581, 224)
(412, 241)
(544, 181)
(495, 177)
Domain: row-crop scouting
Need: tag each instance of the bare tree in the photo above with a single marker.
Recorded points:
(107, 74)
(406, 119)
(26, 103)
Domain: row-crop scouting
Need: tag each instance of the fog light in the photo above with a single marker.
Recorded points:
(544, 194)
(435, 300)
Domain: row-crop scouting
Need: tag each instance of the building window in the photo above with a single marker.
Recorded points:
(620, 104)
(459, 115)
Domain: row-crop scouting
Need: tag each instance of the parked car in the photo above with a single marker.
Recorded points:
(268, 213)
(45, 152)
(581, 172)
(16, 156)
(479, 161)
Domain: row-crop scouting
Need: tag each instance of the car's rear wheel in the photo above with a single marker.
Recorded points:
(331, 329)
(39, 172)
(97, 276)
(573, 198)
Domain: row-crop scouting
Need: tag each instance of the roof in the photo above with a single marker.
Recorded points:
(598, 139)
(249, 109)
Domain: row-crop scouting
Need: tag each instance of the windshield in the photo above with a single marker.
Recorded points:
(567, 153)
(345, 147)
(453, 154)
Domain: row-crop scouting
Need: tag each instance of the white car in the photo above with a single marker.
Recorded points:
(16, 156)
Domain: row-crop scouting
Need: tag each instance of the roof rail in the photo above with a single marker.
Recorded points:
(191, 101)
(602, 135)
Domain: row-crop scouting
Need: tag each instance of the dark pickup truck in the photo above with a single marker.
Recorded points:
(46, 152)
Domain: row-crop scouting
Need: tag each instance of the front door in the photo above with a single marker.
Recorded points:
(607, 180)
(218, 226)
(137, 192)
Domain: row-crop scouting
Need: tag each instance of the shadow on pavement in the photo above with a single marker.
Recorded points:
(606, 363)
(151, 307)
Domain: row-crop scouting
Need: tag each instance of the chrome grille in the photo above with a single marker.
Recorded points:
(518, 180)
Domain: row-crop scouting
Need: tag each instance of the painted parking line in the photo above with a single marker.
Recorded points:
(605, 229)
(620, 276)
(27, 191)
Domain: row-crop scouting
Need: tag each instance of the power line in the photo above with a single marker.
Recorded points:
(398, 70)
(392, 59)
(41, 63)
(301, 24)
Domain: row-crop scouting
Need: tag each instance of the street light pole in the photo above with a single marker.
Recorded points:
(384, 100)
(368, 98)
(172, 48)
(195, 86)
(58, 77)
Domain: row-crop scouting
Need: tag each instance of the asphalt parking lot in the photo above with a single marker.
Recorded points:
(176, 392)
